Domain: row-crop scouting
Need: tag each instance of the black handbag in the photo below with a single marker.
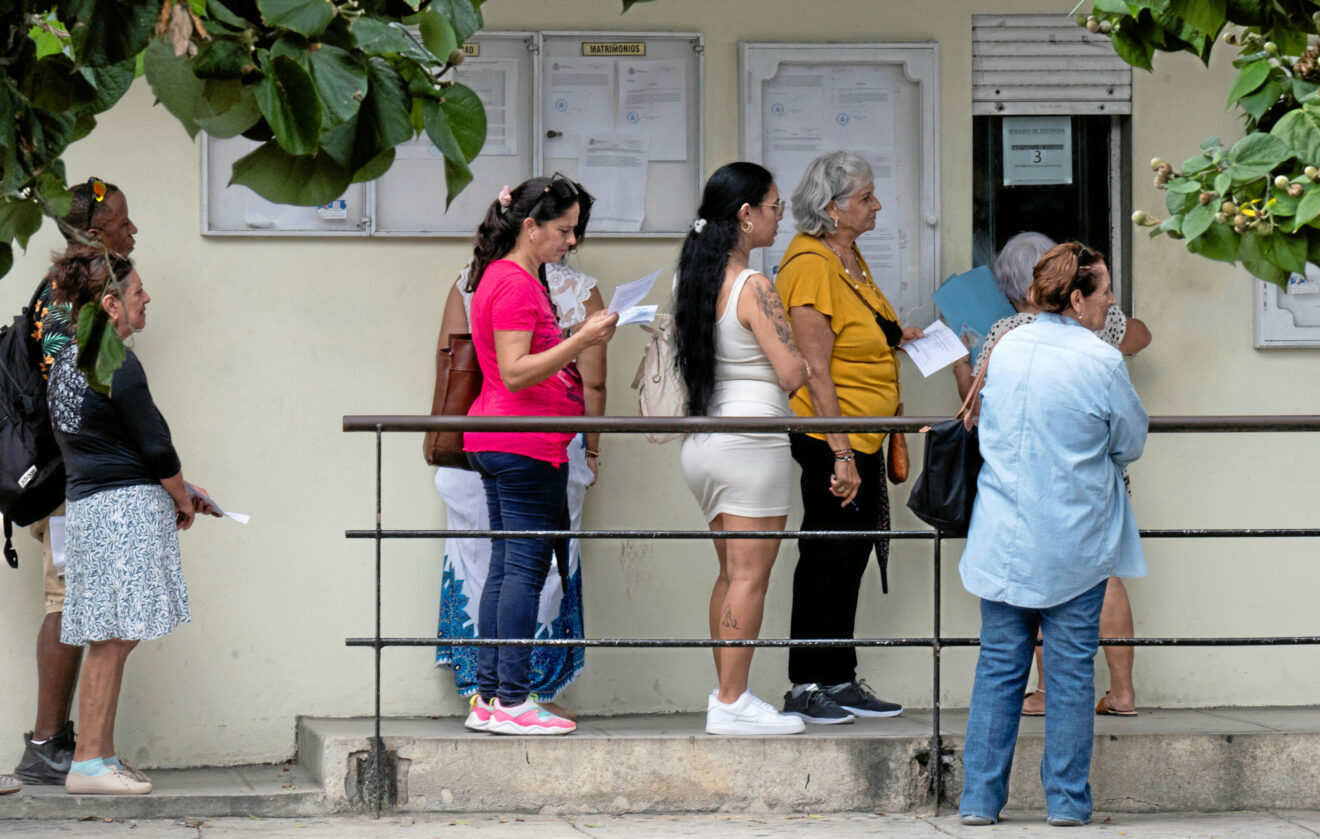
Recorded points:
(945, 491)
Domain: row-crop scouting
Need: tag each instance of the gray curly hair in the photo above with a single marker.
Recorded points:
(836, 177)
(1014, 263)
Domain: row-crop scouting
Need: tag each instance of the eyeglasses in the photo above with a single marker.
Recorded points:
(98, 193)
(780, 206)
(575, 189)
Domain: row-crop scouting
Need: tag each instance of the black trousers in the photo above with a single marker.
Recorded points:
(829, 574)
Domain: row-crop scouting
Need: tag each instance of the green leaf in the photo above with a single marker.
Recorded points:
(222, 59)
(51, 187)
(1218, 242)
(1184, 186)
(462, 15)
(234, 119)
(1210, 143)
(1109, 7)
(376, 37)
(375, 167)
(1199, 220)
(1309, 207)
(1132, 49)
(308, 18)
(82, 126)
(1195, 165)
(111, 83)
(108, 31)
(46, 42)
(19, 220)
(1179, 202)
(305, 180)
(6, 258)
(172, 80)
(1255, 155)
(100, 349)
(1300, 130)
(382, 121)
(457, 125)
(341, 81)
(437, 34)
(287, 99)
(628, 4)
(217, 10)
(1208, 16)
(1249, 78)
(1223, 182)
(1256, 104)
(54, 84)
(1173, 222)
(1265, 255)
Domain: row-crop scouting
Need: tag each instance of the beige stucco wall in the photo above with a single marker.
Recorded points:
(257, 347)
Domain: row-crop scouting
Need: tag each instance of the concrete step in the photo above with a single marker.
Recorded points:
(212, 792)
(1161, 761)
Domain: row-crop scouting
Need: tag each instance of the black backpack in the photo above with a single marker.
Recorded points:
(31, 468)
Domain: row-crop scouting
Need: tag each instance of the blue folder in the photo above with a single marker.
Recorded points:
(970, 304)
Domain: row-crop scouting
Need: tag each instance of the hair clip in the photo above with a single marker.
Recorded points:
(698, 225)
(506, 197)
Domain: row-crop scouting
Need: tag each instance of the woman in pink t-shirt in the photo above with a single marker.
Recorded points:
(528, 369)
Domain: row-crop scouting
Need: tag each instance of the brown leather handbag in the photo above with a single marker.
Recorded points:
(457, 383)
(897, 461)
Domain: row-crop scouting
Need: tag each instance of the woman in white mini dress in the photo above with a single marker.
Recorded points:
(737, 358)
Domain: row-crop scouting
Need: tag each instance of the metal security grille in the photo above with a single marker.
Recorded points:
(1026, 65)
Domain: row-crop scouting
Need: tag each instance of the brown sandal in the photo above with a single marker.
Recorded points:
(1029, 695)
(1102, 708)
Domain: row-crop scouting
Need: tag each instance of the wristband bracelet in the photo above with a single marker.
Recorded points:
(847, 458)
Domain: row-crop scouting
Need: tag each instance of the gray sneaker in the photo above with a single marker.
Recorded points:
(48, 762)
(814, 705)
(858, 698)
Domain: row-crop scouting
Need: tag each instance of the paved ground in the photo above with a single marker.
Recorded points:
(1254, 825)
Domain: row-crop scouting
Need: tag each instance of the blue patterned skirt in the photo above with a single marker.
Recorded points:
(467, 561)
(122, 567)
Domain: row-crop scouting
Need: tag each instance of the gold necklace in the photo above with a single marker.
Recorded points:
(865, 276)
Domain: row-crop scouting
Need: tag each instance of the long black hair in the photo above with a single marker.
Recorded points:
(540, 199)
(701, 268)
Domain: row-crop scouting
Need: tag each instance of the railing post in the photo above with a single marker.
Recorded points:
(936, 742)
(379, 763)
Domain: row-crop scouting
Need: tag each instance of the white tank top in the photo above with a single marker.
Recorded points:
(745, 382)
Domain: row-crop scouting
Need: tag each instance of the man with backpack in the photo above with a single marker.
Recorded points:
(99, 212)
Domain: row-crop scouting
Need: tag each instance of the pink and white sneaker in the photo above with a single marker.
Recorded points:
(526, 718)
(478, 718)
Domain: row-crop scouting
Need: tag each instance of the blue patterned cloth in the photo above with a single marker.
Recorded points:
(122, 567)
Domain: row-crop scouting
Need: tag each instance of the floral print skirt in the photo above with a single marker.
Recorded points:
(122, 567)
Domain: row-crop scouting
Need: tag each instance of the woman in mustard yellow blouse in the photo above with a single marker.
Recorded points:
(848, 332)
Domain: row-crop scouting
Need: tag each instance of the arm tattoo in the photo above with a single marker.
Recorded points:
(773, 309)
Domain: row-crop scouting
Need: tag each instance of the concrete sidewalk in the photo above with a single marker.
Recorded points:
(1248, 825)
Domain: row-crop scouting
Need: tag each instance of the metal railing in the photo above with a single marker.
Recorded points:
(376, 773)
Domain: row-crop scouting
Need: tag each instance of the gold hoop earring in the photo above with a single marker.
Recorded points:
(746, 226)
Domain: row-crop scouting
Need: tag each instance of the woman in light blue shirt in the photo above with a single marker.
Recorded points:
(1052, 522)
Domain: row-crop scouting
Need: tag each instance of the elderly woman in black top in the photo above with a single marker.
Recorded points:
(125, 498)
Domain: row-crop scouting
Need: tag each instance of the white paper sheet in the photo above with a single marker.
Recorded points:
(653, 103)
(937, 350)
(241, 518)
(495, 82)
(579, 102)
(613, 168)
(630, 294)
(638, 314)
(57, 556)
(860, 108)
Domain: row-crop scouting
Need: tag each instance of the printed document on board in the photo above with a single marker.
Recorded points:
(613, 168)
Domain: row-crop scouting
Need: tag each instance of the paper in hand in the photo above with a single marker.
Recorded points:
(241, 518)
(630, 294)
(937, 350)
(638, 314)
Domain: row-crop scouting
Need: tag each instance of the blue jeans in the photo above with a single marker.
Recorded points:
(1071, 632)
(522, 493)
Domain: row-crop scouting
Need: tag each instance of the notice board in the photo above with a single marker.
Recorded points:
(881, 100)
(622, 114)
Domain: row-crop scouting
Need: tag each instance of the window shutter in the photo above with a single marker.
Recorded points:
(1025, 65)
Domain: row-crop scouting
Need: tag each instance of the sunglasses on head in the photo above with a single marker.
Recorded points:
(575, 189)
(98, 193)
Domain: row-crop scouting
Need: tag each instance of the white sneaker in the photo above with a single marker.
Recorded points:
(748, 715)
